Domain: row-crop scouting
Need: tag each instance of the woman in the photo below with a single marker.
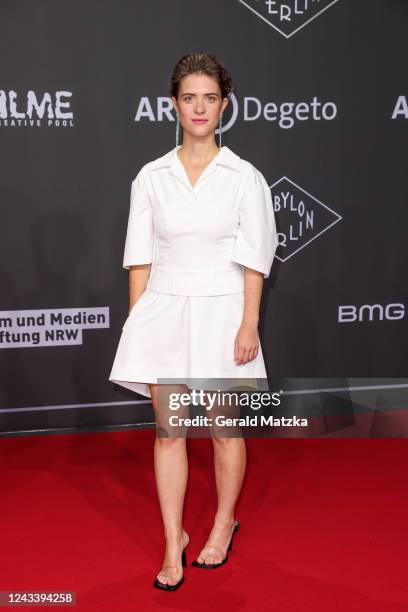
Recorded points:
(201, 238)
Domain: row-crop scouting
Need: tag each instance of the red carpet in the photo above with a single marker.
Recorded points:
(323, 524)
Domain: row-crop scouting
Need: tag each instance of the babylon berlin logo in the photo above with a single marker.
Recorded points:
(290, 16)
(301, 217)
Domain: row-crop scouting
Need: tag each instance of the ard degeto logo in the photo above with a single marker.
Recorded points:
(284, 114)
(301, 217)
(290, 16)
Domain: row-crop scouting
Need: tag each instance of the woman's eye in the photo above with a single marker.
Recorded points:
(210, 98)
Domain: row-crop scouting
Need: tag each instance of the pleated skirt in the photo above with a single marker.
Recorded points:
(182, 338)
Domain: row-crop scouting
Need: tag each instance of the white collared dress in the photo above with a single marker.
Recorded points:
(198, 241)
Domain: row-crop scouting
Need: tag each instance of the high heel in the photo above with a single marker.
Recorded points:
(214, 565)
(172, 587)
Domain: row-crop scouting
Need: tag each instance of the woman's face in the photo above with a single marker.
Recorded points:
(199, 98)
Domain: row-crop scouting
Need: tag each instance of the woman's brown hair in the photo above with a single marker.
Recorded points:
(205, 63)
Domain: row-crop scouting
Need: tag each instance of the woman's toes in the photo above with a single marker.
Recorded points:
(209, 558)
(162, 578)
(166, 579)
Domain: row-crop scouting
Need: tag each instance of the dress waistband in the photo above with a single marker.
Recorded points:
(167, 279)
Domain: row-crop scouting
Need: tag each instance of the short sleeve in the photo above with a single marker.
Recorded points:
(256, 238)
(140, 229)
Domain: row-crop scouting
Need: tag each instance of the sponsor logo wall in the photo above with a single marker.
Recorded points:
(320, 108)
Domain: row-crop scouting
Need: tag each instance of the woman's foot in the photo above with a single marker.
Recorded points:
(215, 549)
(172, 570)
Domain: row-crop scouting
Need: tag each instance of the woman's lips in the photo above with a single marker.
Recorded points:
(199, 121)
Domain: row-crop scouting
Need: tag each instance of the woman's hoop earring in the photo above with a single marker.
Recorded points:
(219, 131)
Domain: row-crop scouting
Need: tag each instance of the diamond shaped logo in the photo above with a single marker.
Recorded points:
(301, 218)
(290, 16)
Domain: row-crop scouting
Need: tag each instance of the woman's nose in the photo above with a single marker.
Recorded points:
(199, 107)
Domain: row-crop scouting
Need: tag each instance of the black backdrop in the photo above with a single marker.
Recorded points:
(321, 108)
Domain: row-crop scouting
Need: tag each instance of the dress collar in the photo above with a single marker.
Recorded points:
(225, 157)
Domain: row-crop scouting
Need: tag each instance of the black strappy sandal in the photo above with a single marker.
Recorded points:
(214, 565)
(172, 587)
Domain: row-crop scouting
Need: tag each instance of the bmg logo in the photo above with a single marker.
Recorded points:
(290, 16)
(371, 312)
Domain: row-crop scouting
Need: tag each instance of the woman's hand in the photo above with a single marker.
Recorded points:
(247, 339)
(246, 343)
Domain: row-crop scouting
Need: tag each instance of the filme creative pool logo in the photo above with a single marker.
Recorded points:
(301, 217)
(36, 109)
(290, 16)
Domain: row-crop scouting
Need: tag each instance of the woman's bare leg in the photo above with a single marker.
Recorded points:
(229, 469)
(171, 472)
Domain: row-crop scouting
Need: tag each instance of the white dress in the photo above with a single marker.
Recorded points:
(199, 241)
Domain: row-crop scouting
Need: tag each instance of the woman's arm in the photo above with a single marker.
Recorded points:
(138, 254)
(247, 339)
(138, 277)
